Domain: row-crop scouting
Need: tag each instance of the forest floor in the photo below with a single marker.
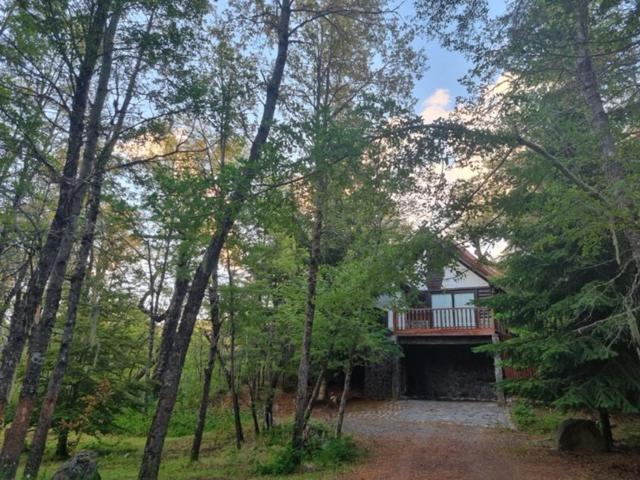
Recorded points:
(402, 440)
(455, 440)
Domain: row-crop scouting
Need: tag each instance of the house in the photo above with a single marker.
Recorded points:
(437, 335)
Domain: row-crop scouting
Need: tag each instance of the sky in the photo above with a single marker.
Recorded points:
(437, 89)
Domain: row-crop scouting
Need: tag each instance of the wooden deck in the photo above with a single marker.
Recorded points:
(462, 321)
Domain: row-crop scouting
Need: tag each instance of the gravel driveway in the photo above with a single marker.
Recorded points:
(416, 414)
(423, 440)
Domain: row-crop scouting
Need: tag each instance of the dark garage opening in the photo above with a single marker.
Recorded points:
(448, 372)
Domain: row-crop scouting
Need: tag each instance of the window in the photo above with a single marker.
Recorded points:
(453, 310)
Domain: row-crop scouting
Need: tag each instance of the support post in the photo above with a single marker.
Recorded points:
(395, 375)
(495, 338)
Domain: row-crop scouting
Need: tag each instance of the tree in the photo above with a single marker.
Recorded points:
(565, 101)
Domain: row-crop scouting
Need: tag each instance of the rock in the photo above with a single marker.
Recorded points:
(579, 435)
(82, 466)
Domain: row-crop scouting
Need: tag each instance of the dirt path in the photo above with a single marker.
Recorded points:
(450, 445)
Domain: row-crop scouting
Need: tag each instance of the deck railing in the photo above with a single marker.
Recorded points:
(460, 318)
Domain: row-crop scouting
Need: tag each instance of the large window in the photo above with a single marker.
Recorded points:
(454, 309)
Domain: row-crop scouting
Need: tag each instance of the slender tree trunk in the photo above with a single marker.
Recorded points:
(62, 445)
(170, 325)
(252, 385)
(231, 373)
(268, 401)
(605, 427)
(314, 396)
(235, 401)
(305, 353)
(39, 341)
(55, 381)
(208, 372)
(60, 223)
(150, 464)
(345, 394)
(15, 289)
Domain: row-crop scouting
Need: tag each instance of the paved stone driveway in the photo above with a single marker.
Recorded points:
(371, 417)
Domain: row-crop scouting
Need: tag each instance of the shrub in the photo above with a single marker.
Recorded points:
(523, 414)
(286, 461)
(537, 420)
(337, 451)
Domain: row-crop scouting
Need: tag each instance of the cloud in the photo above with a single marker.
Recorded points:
(437, 105)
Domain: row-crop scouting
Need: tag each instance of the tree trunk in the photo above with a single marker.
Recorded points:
(345, 395)
(49, 402)
(268, 401)
(605, 427)
(305, 353)
(208, 372)
(231, 372)
(314, 396)
(62, 445)
(171, 378)
(41, 334)
(254, 410)
(171, 320)
(13, 293)
(612, 169)
(61, 222)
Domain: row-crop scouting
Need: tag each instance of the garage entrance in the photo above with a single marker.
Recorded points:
(447, 372)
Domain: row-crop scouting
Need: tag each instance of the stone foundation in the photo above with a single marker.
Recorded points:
(448, 372)
(378, 380)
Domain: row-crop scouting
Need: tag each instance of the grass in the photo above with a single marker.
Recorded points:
(262, 457)
(536, 420)
(540, 420)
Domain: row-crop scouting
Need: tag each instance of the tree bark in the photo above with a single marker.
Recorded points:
(231, 373)
(268, 401)
(305, 354)
(49, 402)
(170, 325)
(208, 372)
(613, 170)
(62, 445)
(313, 397)
(345, 394)
(605, 427)
(61, 222)
(41, 334)
(171, 378)
(252, 385)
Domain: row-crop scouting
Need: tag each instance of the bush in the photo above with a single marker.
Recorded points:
(286, 461)
(321, 448)
(523, 415)
(337, 451)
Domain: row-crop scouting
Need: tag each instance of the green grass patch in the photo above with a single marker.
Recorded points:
(535, 419)
(267, 454)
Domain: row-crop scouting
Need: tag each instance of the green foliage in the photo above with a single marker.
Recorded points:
(321, 449)
(536, 420)
(568, 284)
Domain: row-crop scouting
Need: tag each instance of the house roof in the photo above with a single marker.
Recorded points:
(474, 264)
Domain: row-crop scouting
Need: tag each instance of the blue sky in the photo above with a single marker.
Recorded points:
(440, 84)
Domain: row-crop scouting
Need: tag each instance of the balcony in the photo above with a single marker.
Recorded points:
(444, 321)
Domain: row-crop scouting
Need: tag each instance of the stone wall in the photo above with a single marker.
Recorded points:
(448, 372)
(378, 380)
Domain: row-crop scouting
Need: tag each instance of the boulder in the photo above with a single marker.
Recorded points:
(579, 435)
(82, 466)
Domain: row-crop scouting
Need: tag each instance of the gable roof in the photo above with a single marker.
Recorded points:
(474, 264)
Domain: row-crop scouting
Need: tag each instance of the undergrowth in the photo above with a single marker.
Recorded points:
(321, 450)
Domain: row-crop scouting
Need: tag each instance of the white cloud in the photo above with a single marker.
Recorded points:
(437, 105)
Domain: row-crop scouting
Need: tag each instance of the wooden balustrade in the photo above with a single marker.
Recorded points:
(460, 318)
